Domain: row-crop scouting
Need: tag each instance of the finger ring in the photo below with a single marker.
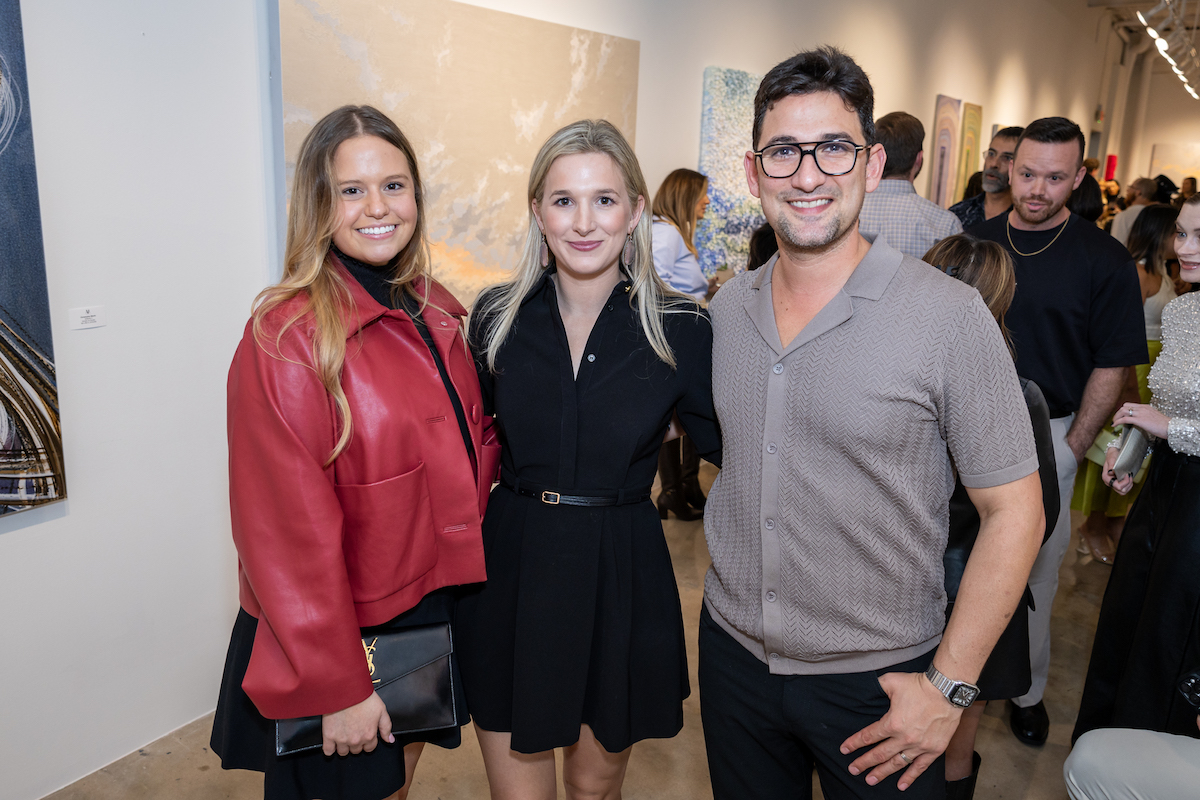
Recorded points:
(1130, 412)
(905, 759)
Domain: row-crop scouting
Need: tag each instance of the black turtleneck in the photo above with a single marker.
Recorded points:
(377, 283)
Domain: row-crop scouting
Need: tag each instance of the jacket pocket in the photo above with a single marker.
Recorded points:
(388, 535)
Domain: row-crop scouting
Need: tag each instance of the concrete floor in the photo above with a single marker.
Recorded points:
(180, 766)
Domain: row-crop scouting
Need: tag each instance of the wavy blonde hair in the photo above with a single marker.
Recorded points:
(649, 295)
(314, 216)
(677, 201)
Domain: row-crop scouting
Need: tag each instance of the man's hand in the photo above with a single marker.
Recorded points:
(919, 724)
(357, 729)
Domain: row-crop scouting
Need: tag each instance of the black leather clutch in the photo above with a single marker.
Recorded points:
(411, 672)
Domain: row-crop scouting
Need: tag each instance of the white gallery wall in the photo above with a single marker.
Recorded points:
(152, 130)
(1172, 117)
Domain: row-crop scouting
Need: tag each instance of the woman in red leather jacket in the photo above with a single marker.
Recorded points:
(359, 467)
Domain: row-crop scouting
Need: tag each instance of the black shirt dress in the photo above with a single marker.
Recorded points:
(579, 621)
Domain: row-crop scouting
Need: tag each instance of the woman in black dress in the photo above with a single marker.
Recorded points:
(576, 640)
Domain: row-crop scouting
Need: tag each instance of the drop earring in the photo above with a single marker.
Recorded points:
(544, 253)
(628, 252)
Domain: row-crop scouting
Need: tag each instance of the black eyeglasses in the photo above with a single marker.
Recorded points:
(833, 158)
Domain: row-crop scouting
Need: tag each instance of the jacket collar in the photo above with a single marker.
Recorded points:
(364, 310)
(869, 281)
(623, 286)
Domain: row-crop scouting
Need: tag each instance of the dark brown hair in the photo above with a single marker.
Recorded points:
(902, 136)
(1153, 226)
(825, 69)
(1053, 130)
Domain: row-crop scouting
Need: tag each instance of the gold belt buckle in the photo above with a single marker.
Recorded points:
(547, 498)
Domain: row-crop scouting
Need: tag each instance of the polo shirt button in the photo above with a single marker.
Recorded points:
(771, 448)
(591, 357)
(770, 524)
(770, 597)
(778, 368)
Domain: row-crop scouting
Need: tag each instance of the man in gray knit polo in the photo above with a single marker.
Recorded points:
(851, 381)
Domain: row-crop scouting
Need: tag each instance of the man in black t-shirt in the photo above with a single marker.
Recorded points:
(1077, 326)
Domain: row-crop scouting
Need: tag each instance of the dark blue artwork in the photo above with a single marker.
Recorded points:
(31, 464)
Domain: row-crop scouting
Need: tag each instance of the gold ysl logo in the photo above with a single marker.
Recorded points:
(370, 651)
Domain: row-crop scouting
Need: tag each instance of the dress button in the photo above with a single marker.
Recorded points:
(771, 448)
(777, 369)
(591, 356)
(770, 597)
(610, 306)
(770, 524)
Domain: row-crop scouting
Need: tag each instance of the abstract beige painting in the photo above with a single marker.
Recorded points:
(476, 91)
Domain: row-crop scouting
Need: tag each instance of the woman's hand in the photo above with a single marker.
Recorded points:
(1109, 477)
(357, 729)
(1148, 418)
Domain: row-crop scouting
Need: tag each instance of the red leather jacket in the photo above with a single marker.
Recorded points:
(325, 550)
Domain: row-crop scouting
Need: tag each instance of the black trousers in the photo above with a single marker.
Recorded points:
(766, 733)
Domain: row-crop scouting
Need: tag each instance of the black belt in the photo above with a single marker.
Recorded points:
(623, 497)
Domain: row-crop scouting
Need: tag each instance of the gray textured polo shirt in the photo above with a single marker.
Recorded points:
(828, 521)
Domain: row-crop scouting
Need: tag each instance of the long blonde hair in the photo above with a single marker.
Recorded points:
(307, 264)
(677, 201)
(649, 295)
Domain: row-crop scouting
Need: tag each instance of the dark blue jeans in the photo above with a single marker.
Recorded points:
(766, 733)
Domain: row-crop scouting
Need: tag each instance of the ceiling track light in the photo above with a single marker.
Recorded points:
(1163, 5)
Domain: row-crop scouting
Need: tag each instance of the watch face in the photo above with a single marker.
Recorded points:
(964, 696)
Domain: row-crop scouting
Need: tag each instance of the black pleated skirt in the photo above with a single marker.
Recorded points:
(1148, 636)
(245, 739)
(579, 623)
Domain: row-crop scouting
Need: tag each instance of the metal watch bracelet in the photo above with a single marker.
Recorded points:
(957, 693)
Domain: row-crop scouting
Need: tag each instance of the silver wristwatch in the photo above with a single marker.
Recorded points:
(958, 693)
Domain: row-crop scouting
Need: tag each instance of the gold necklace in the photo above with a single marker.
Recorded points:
(1008, 228)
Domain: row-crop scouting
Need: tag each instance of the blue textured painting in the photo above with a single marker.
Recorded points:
(31, 459)
(727, 115)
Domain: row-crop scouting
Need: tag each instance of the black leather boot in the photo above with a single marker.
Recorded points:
(690, 474)
(964, 788)
(669, 472)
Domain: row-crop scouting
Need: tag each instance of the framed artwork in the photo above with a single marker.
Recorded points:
(971, 147)
(31, 456)
(943, 151)
(476, 91)
(1176, 161)
(726, 119)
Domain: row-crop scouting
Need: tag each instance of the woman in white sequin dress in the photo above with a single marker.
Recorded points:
(1148, 636)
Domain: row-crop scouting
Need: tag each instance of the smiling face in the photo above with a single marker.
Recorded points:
(585, 214)
(997, 162)
(1043, 176)
(1187, 242)
(812, 211)
(378, 196)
